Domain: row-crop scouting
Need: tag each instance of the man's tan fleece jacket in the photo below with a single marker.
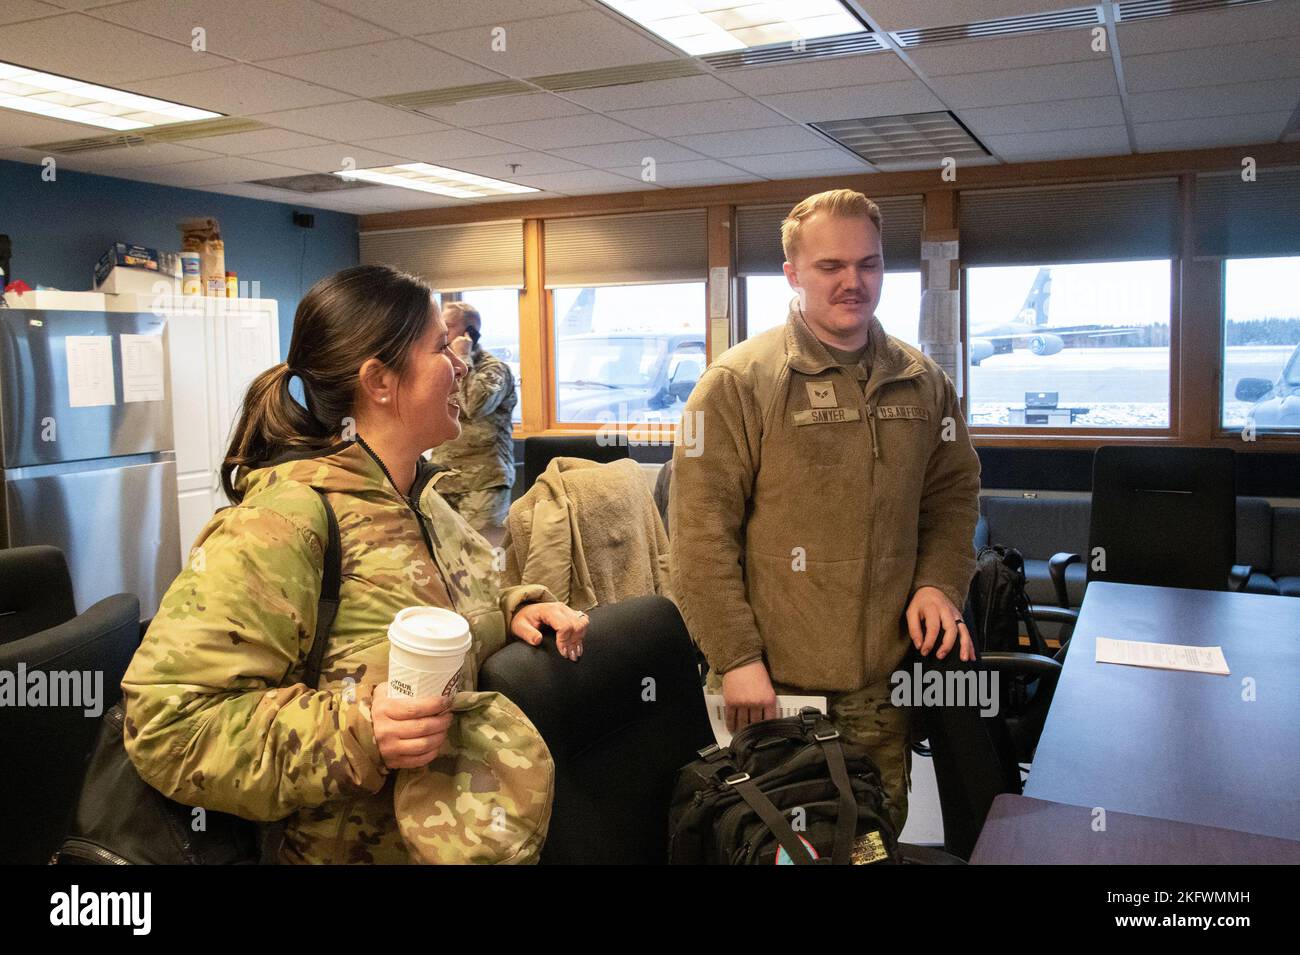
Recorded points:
(810, 500)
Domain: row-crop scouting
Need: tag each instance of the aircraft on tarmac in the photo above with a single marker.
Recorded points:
(1030, 330)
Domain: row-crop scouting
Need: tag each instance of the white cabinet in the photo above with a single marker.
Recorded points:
(215, 349)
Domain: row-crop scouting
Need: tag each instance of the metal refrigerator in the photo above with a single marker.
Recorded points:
(86, 450)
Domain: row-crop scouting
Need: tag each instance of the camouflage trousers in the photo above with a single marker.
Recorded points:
(868, 718)
(484, 508)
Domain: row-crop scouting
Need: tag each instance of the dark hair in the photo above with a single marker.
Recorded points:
(369, 311)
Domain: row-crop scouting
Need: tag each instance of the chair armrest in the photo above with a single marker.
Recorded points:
(1056, 567)
(1239, 576)
(1066, 615)
(1014, 661)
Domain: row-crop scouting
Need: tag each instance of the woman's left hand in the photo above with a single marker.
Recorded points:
(570, 626)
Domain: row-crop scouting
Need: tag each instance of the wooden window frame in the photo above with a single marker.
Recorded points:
(1196, 300)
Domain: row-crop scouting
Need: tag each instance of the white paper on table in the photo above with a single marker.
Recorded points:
(785, 706)
(1162, 656)
(90, 370)
(142, 368)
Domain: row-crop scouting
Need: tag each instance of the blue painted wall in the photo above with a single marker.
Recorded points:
(60, 229)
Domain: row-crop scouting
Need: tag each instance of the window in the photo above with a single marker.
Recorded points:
(767, 302)
(1083, 345)
(499, 309)
(1261, 344)
(628, 353)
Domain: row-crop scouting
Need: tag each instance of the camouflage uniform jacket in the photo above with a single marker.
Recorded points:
(214, 715)
(484, 454)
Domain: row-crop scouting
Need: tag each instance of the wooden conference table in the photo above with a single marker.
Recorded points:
(1214, 751)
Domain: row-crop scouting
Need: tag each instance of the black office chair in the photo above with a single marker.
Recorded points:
(975, 756)
(35, 591)
(539, 451)
(1165, 517)
(43, 749)
(620, 724)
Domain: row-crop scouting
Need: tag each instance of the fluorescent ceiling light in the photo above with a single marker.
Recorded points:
(701, 27)
(437, 179)
(59, 97)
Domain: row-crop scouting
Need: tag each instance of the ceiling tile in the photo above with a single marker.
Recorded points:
(238, 91)
(413, 17)
(1240, 62)
(1277, 95)
(1040, 117)
(249, 190)
(529, 163)
(14, 11)
(716, 116)
(87, 49)
(382, 69)
(673, 174)
(136, 157)
(23, 129)
(902, 14)
(810, 163)
(504, 109)
(1060, 144)
(1036, 84)
(819, 74)
(353, 121)
(565, 131)
(440, 147)
(619, 154)
(247, 29)
(687, 89)
(852, 102)
(329, 158)
(1255, 21)
(1205, 133)
(589, 40)
(585, 183)
(1008, 53)
(257, 141)
(754, 142)
(207, 172)
(393, 198)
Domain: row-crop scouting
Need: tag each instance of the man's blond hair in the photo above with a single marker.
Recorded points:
(845, 203)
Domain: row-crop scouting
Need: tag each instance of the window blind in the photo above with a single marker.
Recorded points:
(1092, 222)
(626, 249)
(454, 258)
(758, 235)
(1235, 218)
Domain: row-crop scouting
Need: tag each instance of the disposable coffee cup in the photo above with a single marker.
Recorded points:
(426, 652)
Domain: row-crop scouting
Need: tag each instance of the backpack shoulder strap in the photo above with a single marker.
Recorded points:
(328, 604)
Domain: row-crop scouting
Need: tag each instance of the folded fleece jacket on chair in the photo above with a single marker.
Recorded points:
(589, 533)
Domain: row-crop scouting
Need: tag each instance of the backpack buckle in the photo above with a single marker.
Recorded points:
(708, 751)
(736, 779)
(824, 737)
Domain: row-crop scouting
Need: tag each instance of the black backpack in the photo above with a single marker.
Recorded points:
(998, 603)
(781, 788)
(121, 820)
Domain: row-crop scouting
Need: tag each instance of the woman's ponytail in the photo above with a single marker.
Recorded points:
(270, 424)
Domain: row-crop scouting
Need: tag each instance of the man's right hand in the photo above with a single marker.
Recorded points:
(748, 695)
(409, 732)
